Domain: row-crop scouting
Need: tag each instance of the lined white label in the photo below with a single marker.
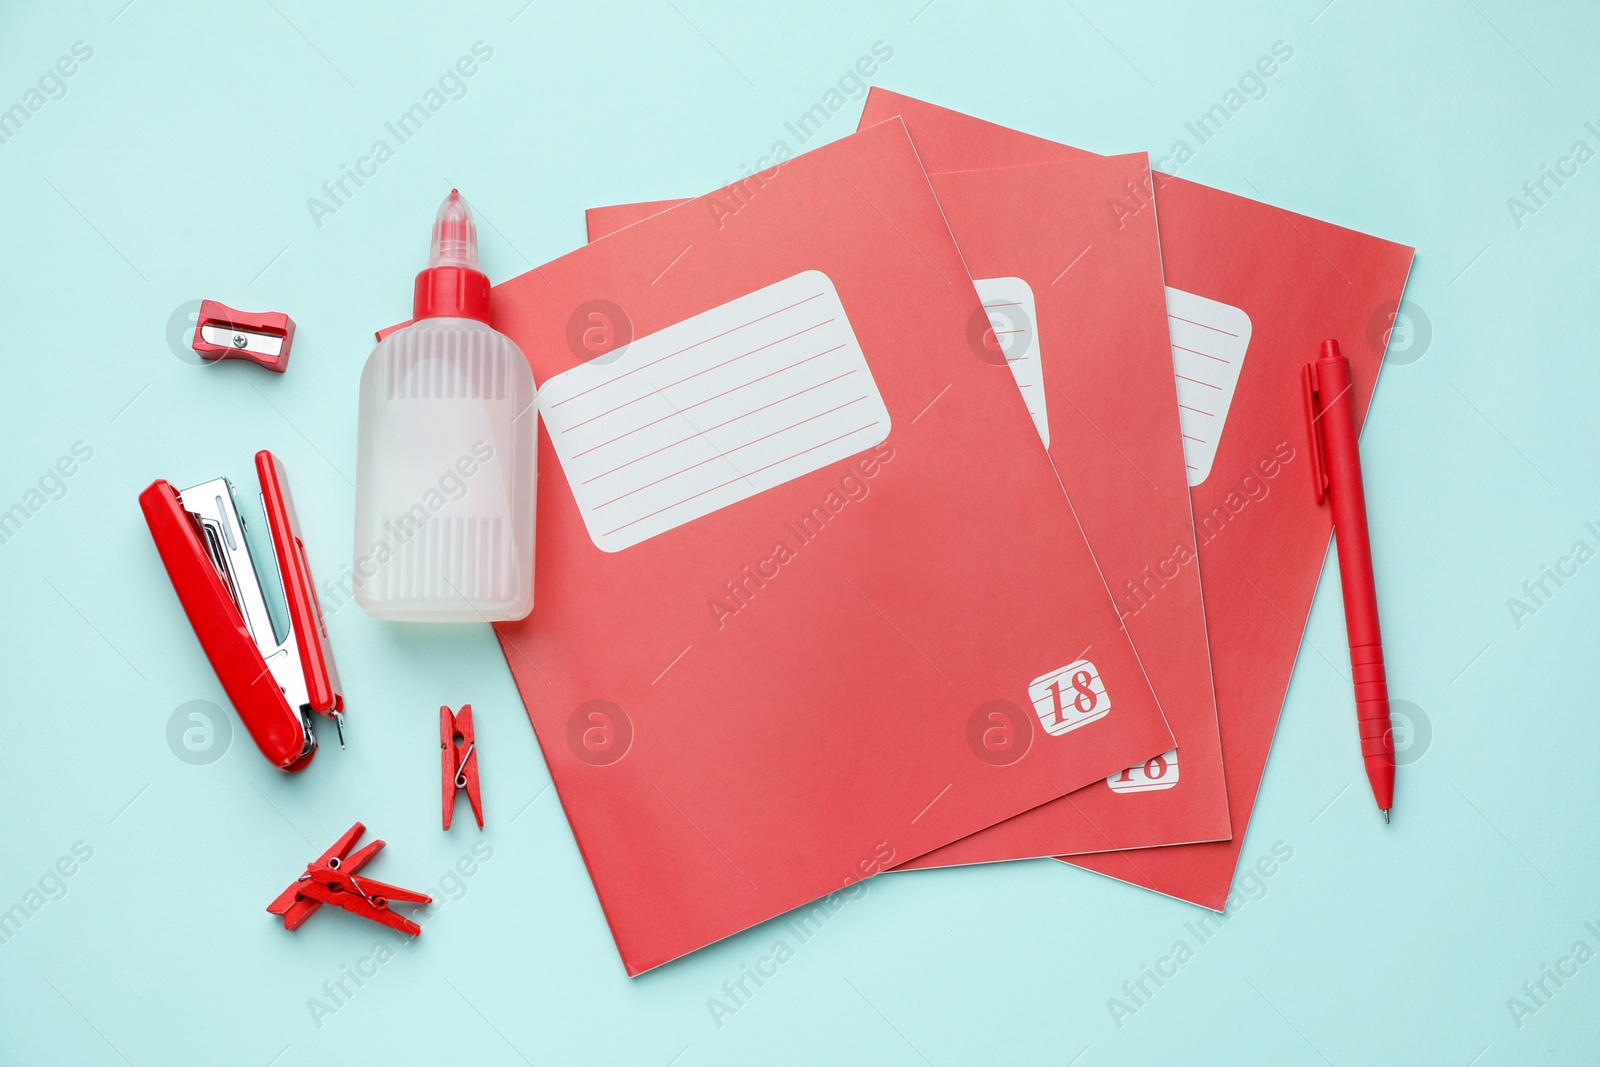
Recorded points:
(1009, 304)
(1208, 345)
(1157, 772)
(1071, 697)
(713, 410)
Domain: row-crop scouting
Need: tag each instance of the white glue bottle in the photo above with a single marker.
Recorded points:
(446, 452)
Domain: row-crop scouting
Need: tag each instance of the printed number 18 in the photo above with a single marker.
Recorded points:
(1155, 768)
(1084, 698)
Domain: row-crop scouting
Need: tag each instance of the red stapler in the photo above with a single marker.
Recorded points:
(274, 684)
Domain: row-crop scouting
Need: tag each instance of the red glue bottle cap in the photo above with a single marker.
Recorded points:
(452, 286)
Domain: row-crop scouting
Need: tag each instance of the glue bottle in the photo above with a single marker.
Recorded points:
(445, 460)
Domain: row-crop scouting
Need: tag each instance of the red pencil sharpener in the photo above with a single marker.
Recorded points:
(263, 338)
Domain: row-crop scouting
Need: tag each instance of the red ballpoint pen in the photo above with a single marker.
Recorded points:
(1336, 473)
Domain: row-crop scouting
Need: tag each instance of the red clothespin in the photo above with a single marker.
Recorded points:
(459, 762)
(261, 337)
(331, 879)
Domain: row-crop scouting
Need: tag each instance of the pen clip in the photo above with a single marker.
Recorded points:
(1310, 396)
(318, 681)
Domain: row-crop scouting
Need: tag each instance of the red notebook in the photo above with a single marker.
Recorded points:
(1068, 263)
(1066, 259)
(795, 556)
(1252, 291)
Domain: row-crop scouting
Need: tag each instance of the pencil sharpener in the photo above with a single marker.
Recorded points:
(263, 338)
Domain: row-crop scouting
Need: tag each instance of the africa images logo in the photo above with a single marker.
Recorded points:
(599, 732)
(999, 732)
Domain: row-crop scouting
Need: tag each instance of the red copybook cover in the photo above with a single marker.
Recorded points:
(1066, 260)
(792, 553)
(1252, 291)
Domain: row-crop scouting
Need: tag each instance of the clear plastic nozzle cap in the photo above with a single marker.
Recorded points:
(455, 236)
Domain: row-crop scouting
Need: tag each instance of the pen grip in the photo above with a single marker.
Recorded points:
(1372, 700)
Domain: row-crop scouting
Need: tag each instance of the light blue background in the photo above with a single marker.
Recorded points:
(178, 165)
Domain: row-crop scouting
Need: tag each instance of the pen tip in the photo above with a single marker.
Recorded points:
(1385, 816)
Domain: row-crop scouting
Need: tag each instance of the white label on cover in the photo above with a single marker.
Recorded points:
(1157, 772)
(1208, 345)
(713, 410)
(1009, 303)
(1071, 697)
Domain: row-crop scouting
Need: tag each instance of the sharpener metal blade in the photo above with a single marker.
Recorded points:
(224, 336)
